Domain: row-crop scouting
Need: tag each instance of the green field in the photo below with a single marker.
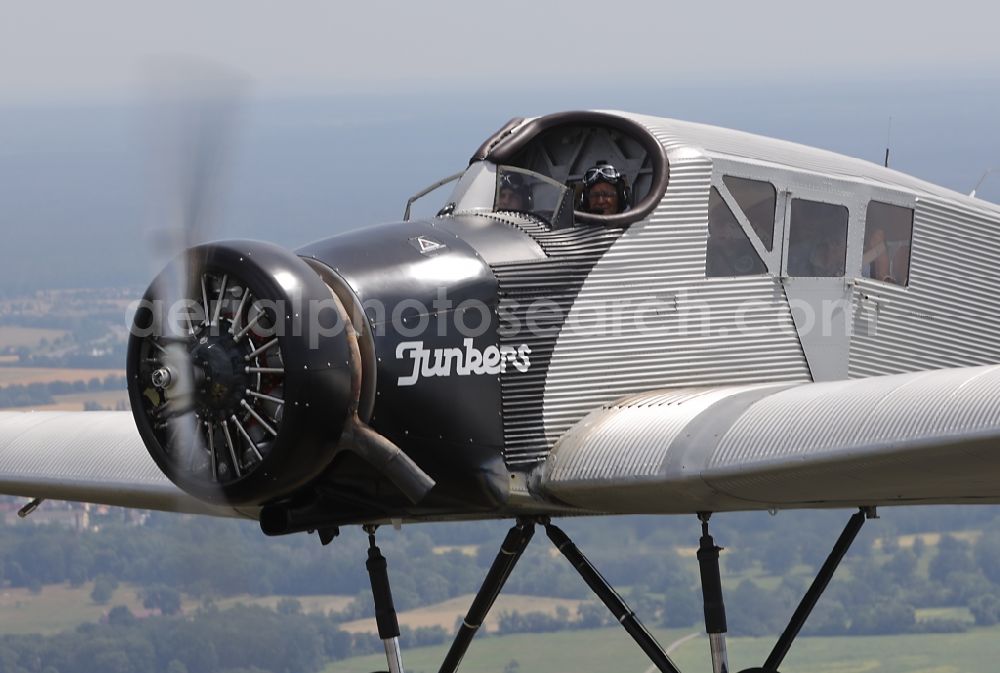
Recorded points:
(61, 608)
(611, 651)
(445, 614)
(57, 608)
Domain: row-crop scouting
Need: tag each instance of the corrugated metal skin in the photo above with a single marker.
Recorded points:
(583, 361)
(716, 141)
(845, 416)
(925, 437)
(572, 253)
(949, 316)
(90, 457)
(749, 335)
(630, 439)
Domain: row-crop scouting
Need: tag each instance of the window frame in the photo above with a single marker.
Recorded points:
(738, 217)
(771, 258)
(864, 235)
(841, 191)
(774, 208)
(789, 224)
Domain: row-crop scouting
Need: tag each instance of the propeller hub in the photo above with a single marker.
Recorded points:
(162, 378)
(219, 364)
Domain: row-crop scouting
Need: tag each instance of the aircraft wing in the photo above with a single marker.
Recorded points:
(927, 437)
(92, 456)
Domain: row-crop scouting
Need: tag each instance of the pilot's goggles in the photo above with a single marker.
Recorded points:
(512, 181)
(609, 173)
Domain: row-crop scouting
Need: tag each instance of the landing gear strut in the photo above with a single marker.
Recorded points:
(385, 611)
(711, 593)
(517, 541)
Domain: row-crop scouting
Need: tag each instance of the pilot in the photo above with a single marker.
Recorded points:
(514, 194)
(605, 190)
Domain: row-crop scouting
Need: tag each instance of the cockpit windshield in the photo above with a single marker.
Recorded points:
(509, 189)
(523, 191)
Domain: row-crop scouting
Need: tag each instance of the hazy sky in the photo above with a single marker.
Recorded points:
(352, 107)
(96, 49)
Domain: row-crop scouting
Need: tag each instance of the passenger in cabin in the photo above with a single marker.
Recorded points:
(817, 254)
(827, 258)
(875, 261)
(514, 194)
(885, 260)
(730, 252)
(605, 190)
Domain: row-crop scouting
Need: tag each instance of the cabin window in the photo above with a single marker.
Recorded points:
(729, 252)
(888, 235)
(817, 239)
(757, 200)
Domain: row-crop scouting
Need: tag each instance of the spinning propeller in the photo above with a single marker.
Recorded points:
(243, 366)
(211, 377)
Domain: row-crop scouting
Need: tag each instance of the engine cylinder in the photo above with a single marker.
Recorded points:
(239, 372)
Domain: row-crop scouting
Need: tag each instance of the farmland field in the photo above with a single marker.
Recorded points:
(610, 650)
(932, 539)
(26, 375)
(467, 549)
(106, 398)
(28, 336)
(446, 613)
(59, 607)
(310, 604)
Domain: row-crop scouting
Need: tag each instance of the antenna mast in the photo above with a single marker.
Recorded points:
(888, 141)
(985, 174)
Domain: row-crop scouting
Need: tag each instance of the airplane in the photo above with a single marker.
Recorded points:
(752, 324)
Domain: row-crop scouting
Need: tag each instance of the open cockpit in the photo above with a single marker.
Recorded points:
(544, 167)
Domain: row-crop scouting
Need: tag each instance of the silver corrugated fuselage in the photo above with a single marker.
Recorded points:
(682, 329)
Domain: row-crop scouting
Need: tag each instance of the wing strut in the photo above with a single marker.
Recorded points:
(510, 551)
(517, 541)
(816, 589)
(611, 599)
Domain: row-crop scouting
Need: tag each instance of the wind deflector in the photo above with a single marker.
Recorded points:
(585, 137)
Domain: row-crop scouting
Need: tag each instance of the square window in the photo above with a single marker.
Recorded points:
(817, 239)
(888, 237)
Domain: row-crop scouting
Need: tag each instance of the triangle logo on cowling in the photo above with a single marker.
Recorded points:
(426, 245)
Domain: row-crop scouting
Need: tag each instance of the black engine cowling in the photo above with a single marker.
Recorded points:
(239, 372)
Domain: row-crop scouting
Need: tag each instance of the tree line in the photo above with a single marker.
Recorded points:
(878, 589)
(33, 394)
(243, 639)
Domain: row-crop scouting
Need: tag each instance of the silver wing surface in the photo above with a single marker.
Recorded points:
(92, 456)
(927, 437)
